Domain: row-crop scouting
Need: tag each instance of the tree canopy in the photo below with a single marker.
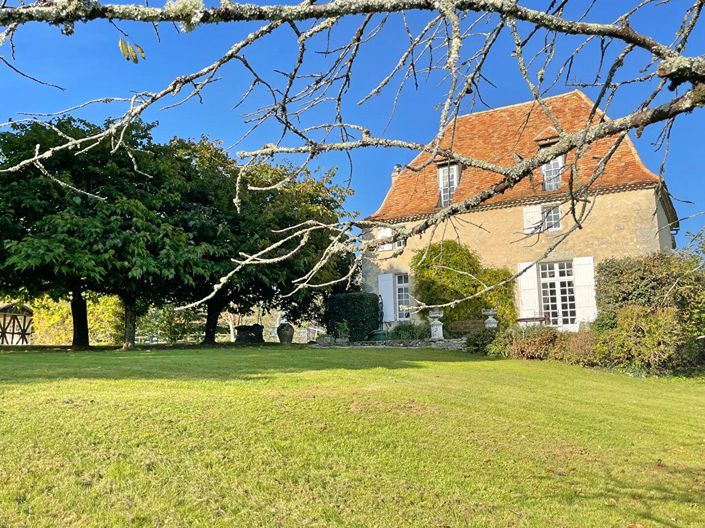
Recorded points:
(166, 232)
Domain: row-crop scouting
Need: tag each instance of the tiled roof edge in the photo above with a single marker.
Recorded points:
(525, 201)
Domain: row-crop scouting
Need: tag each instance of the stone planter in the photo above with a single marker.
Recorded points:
(325, 340)
(342, 340)
(285, 333)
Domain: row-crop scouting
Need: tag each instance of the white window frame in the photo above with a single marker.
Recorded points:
(552, 172)
(401, 297)
(448, 178)
(554, 212)
(557, 293)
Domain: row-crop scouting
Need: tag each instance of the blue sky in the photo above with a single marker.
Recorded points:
(89, 65)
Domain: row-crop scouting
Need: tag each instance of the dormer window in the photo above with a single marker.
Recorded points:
(552, 174)
(448, 176)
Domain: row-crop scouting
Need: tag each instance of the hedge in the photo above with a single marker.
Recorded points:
(654, 281)
(408, 331)
(646, 340)
(359, 310)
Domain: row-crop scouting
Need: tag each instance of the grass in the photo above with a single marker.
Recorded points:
(315, 437)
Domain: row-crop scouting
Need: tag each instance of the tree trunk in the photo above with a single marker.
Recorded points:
(214, 309)
(130, 322)
(79, 316)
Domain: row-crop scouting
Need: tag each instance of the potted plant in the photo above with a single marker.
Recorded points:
(342, 333)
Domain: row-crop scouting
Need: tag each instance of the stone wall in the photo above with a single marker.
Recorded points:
(446, 344)
(621, 224)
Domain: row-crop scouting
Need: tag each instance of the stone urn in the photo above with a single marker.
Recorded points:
(285, 332)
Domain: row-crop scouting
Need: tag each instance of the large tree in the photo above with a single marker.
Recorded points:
(112, 237)
(207, 212)
(650, 75)
(44, 247)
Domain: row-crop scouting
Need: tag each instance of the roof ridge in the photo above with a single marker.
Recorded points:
(532, 101)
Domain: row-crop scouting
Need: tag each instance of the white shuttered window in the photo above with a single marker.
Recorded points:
(562, 291)
(403, 296)
(552, 174)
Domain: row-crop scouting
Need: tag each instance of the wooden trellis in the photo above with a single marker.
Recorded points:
(15, 324)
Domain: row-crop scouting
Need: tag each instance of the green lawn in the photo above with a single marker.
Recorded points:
(312, 437)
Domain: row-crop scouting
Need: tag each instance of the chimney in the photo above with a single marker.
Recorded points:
(396, 171)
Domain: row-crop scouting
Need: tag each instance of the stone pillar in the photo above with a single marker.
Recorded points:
(436, 326)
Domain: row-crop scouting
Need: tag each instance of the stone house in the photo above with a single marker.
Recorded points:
(631, 212)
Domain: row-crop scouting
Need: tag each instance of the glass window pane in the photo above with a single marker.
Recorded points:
(552, 174)
(447, 183)
(558, 293)
(403, 296)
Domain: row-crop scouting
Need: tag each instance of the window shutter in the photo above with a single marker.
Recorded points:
(528, 291)
(385, 282)
(584, 281)
(532, 218)
(384, 232)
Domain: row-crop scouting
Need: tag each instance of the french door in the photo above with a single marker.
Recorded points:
(558, 293)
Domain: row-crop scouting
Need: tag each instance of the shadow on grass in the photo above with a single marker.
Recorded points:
(216, 363)
(641, 496)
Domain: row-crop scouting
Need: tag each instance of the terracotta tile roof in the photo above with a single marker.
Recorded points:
(498, 136)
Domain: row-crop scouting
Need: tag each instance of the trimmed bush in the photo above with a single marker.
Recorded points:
(359, 310)
(407, 331)
(478, 340)
(650, 340)
(647, 339)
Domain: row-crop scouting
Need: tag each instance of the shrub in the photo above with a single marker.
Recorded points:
(534, 342)
(166, 324)
(605, 320)
(654, 281)
(648, 339)
(576, 348)
(342, 330)
(359, 310)
(478, 340)
(408, 331)
(652, 340)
